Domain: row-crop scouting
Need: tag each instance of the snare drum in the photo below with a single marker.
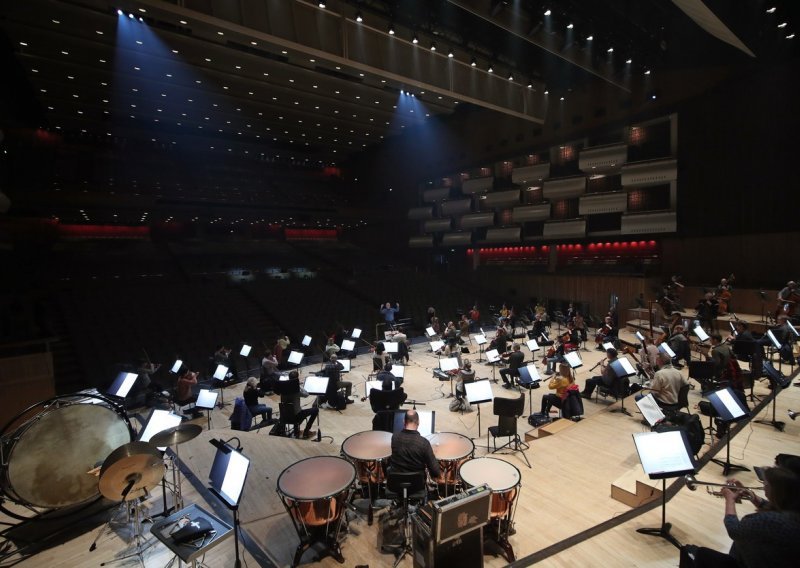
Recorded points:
(47, 460)
(367, 451)
(315, 492)
(451, 450)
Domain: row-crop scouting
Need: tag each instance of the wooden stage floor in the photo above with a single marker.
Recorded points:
(565, 514)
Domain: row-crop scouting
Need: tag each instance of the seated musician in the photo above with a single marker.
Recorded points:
(707, 311)
(465, 375)
(679, 344)
(580, 325)
(331, 348)
(568, 341)
(450, 333)
(333, 370)
(388, 397)
(516, 359)
(766, 537)
(463, 329)
(292, 396)
(386, 375)
(785, 337)
(605, 333)
(184, 390)
(606, 376)
(410, 451)
(452, 350)
(539, 326)
(269, 371)
(667, 382)
(721, 354)
(648, 356)
(251, 395)
(787, 298)
(474, 318)
(562, 384)
(500, 341)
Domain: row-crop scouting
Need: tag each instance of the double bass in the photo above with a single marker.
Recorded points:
(724, 294)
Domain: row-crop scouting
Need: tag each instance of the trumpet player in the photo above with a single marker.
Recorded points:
(768, 537)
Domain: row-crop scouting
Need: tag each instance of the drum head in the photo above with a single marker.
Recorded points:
(316, 478)
(450, 446)
(499, 475)
(369, 445)
(49, 463)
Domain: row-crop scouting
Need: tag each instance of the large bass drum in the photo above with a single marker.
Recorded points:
(47, 462)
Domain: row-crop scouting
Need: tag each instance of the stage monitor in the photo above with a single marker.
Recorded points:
(437, 346)
(448, 364)
(356, 333)
(123, 384)
(492, 356)
(700, 333)
(316, 384)
(206, 399)
(295, 357)
(220, 372)
(349, 345)
(176, 366)
(398, 371)
(622, 367)
(573, 359)
(346, 364)
(532, 345)
(429, 331)
(391, 347)
(727, 405)
(228, 474)
(480, 339)
(664, 454)
(528, 375)
(427, 422)
(639, 336)
(479, 391)
(245, 352)
(306, 341)
(650, 409)
(159, 421)
(773, 339)
(666, 349)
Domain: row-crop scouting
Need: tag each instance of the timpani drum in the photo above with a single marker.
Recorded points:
(48, 460)
(504, 481)
(315, 492)
(451, 450)
(367, 451)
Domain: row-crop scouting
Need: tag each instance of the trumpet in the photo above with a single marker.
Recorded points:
(692, 483)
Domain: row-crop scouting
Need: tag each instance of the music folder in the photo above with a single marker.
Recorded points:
(437, 345)
(306, 341)
(220, 372)
(528, 375)
(123, 384)
(398, 371)
(429, 331)
(391, 347)
(608, 345)
(356, 333)
(622, 367)
(176, 366)
(316, 384)
(700, 333)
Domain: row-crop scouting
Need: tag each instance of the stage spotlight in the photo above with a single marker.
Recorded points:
(589, 38)
(130, 16)
(473, 63)
(391, 29)
(547, 12)
(359, 19)
(415, 40)
(491, 69)
(450, 54)
(510, 77)
(119, 13)
(570, 26)
(322, 4)
(629, 61)
(433, 46)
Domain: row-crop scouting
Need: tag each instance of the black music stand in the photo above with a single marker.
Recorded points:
(664, 455)
(227, 477)
(702, 372)
(778, 382)
(622, 369)
(480, 340)
(317, 385)
(220, 375)
(206, 400)
(529, 378)
(477, 393)
(158, 421)
(730, 409)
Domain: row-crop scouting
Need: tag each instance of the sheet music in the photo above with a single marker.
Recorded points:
(176, 367)
(664, 348)
(532, 345)
(480, 339)
(392, 347)
(349, 345)
(448, 364)
(700, 333)
(220, 372)
(207, 399)
(437, 345)
(731, 403)
(430, 331)
(573, 359)
(492, 355)
(233, 483)
(663, 453)
(356, 333)
(650, 409)
(306, 340)
(398, 371)
(295, 357)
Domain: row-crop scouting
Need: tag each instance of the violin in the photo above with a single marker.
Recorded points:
(601, 334)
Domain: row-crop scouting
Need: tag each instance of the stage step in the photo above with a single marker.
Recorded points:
(635, 488)
(549, 429)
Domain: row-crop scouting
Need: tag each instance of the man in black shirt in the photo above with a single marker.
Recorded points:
(410, 451)
(515, 360)
(291, 395)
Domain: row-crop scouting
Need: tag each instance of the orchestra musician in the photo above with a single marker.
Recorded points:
(724, 294)
(411, 452)
(562, 384)
(785, 337)
(721, 354)
(679, 344)
(707, 310)
(465, 375)
(515, 360)
(667, 382)
(648, 355)
(474, 317)
(500, 341)
(605, 331)
(567, 341)
(787, 299)
(580, 325)
(606, 376)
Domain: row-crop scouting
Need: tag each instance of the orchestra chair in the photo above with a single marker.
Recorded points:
(683, 402)
(620, 388)
(287, 420)
(508, 412)
(403, 488)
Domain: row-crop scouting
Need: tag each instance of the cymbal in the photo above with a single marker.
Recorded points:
(135, 467)
(176, 435)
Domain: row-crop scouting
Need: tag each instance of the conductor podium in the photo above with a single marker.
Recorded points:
(449, 532)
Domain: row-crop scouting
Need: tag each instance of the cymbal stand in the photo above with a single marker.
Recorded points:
(176, 479)
(141, 543)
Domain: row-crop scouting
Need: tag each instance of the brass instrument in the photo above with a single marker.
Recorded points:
(746, 492)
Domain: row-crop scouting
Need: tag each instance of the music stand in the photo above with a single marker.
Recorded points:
(700, 333)
(356, 333)
(778, 381)
(227, 477)
(608, 345)
(664, 455)
(219, 374)
(446, 365)
(573, 360)
(427, 422)
(650, 410)
(158, 421)
(436, 346)
(622, 369)
(206, 400)
(477, 393)
(480, 341)
(122, 386)
(529, 378)
(666, 350)
(349, 346)
(295, 358)
(245, 351)
(430, 332)
(398, 371)
(729, 409)
(318, 386)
